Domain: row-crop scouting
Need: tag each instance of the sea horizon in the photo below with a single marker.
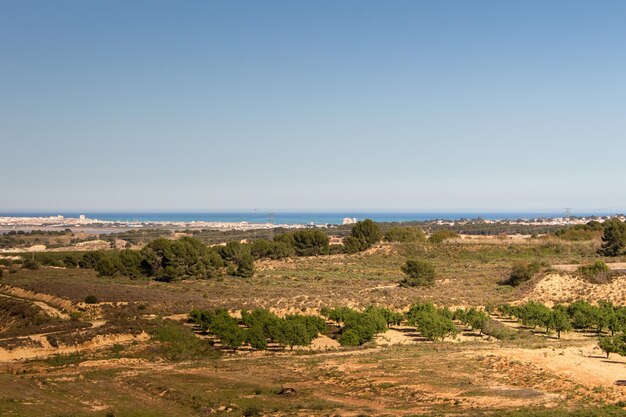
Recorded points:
(296, 217)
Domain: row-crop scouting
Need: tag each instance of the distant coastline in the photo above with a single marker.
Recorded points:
(258, 218)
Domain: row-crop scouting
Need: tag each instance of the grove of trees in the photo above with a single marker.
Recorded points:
(258, 328)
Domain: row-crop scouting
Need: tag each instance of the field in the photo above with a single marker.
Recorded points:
(130, 352)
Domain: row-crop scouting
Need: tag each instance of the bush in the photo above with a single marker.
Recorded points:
(419, 273)
(442, 235)
(30, 263)
(351, 244)
(593, 270)
(405, 235)
(91, 299)
(522, 272)
(179, 343)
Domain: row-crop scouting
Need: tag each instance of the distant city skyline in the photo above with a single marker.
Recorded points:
(406, 106)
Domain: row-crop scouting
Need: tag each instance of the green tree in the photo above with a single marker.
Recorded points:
(613, 238)
(559, 320)
(245, 266)
(307, 242)
(435, 326)
(614, 344)
(256, 338)
(419, 273)
(367, 232)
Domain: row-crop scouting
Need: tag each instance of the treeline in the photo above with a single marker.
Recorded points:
(188, 257)
(258, 328)
(579, 315)
(21, 238)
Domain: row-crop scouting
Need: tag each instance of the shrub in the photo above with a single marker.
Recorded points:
(442, 235)
(30, 263)
(419, 273)
(593, 270)
(405, 235)
(179, 343)
(91, 299)
(351, 244)
(522, 272)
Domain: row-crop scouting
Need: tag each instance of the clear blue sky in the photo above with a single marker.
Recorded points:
(399, 105)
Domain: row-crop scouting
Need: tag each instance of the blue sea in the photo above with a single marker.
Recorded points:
(318, 218)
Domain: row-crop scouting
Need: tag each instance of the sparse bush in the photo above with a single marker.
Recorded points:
(406, 234)
(30, 263)
(594, 270)
(522, 272)
(442, 235)
(419, 273)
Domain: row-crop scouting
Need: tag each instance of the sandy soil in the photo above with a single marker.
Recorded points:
(48, 350)
(562, 288)
(584, 364)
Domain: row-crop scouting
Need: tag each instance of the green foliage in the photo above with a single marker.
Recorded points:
(261, 326)
(162, 259)
(442, 235)
(475, 319)
(405, 234)
(360, 327)
(351, 244)
(307, 242)
(245, 266)
(559, 320)
(263, 248)
(593, 270)
(179, 343)
(367, 232)
(419, 273)
(522, 272)
(613, 344)
(432, 323)
(91, 299)
(613, 238)
(580, 232)
(29, 262)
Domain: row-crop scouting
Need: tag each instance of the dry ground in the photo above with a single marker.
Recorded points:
(110, 365)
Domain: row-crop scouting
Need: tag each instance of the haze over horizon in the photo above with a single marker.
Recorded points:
(406, 106)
